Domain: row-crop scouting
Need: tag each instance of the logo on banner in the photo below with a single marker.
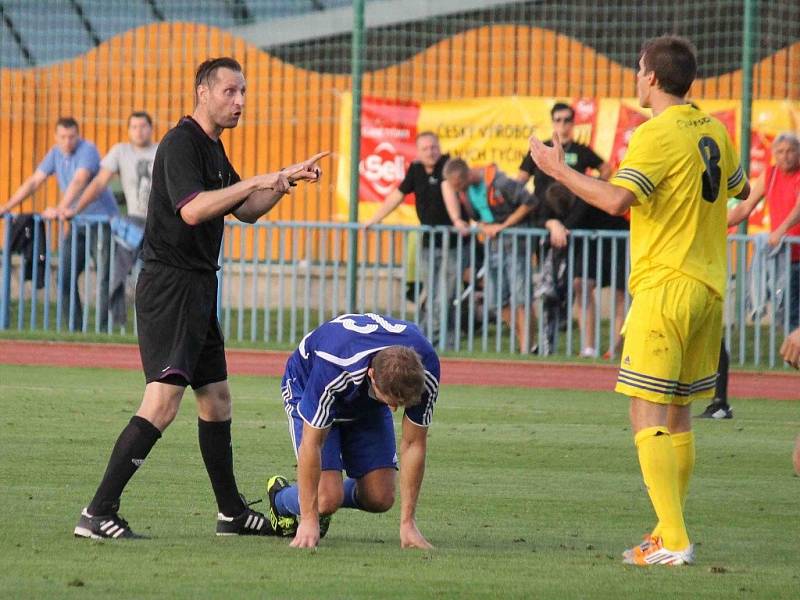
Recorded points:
(388, 146)
(383, 169)
(585, 120)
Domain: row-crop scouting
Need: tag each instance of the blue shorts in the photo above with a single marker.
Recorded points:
(356, 447)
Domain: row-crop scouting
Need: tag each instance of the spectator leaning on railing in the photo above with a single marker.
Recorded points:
(74, 162)
(497, 202)
(133, 162)
(780, 185)
(583, 216)
(424, 180)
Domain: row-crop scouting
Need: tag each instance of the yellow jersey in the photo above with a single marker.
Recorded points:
(682, 167)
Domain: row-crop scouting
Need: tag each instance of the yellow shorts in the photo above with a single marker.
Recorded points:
(671, 350)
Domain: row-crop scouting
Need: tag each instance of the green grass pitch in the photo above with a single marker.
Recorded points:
(528, 494)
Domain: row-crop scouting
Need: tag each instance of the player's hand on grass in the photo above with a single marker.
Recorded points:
(790, 350)
(410, 537)
(548, 159)
(307, 535)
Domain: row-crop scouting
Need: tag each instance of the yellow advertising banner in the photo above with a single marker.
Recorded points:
(496, 130)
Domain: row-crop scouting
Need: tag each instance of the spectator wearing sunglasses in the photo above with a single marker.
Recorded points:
(583, 216)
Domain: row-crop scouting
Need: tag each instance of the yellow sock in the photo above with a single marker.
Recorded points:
(684, 455)
(657, 459)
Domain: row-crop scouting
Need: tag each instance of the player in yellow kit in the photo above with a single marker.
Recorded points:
(676, 176)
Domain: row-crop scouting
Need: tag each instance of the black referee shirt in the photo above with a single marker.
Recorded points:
(187, 162)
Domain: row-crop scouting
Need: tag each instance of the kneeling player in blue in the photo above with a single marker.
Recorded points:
(339, 391)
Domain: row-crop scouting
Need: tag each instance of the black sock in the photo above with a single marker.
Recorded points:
(215, 446)
(132, 447)
(721, 389)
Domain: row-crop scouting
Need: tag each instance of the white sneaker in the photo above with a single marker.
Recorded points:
(654, 553)
(588, 352)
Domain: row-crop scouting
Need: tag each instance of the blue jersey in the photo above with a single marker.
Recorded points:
(326, 377)
(64, 166)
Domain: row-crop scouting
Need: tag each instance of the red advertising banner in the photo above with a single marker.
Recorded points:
(629, 119)
(388, 132)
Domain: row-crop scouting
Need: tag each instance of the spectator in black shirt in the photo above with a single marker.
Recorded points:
(424, 180)
(582, 216)
(576, 155)
(180, 341)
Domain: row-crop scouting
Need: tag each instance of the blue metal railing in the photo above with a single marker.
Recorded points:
(280, 279)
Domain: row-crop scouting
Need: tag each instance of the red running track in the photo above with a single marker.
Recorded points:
(461, 371)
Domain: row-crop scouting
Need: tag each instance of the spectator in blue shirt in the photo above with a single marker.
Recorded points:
(74, 162)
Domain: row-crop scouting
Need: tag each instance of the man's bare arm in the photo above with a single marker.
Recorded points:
(413, 448)
(30, 185)
(750, 200)
(309, 469)
(211, 204)
(453, 207)
(79, 181)
(516, 217)
(90, 192)
(390, 203)
(261, 201)
(604, 171)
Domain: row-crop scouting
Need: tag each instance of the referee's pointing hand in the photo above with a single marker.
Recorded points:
(306, 170)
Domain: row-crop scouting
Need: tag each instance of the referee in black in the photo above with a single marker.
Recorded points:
(194, 187)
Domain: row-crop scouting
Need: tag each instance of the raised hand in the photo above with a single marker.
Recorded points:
(549, 160)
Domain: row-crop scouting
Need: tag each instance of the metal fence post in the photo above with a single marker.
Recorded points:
(748, 48)
(355, 148)
(5, 273)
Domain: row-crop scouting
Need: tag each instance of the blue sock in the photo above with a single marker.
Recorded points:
(287, 501)
(350, 500)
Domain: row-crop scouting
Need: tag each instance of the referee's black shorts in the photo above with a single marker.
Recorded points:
(180, 339)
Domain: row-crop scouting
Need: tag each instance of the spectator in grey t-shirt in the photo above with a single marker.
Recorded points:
(133, 162)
